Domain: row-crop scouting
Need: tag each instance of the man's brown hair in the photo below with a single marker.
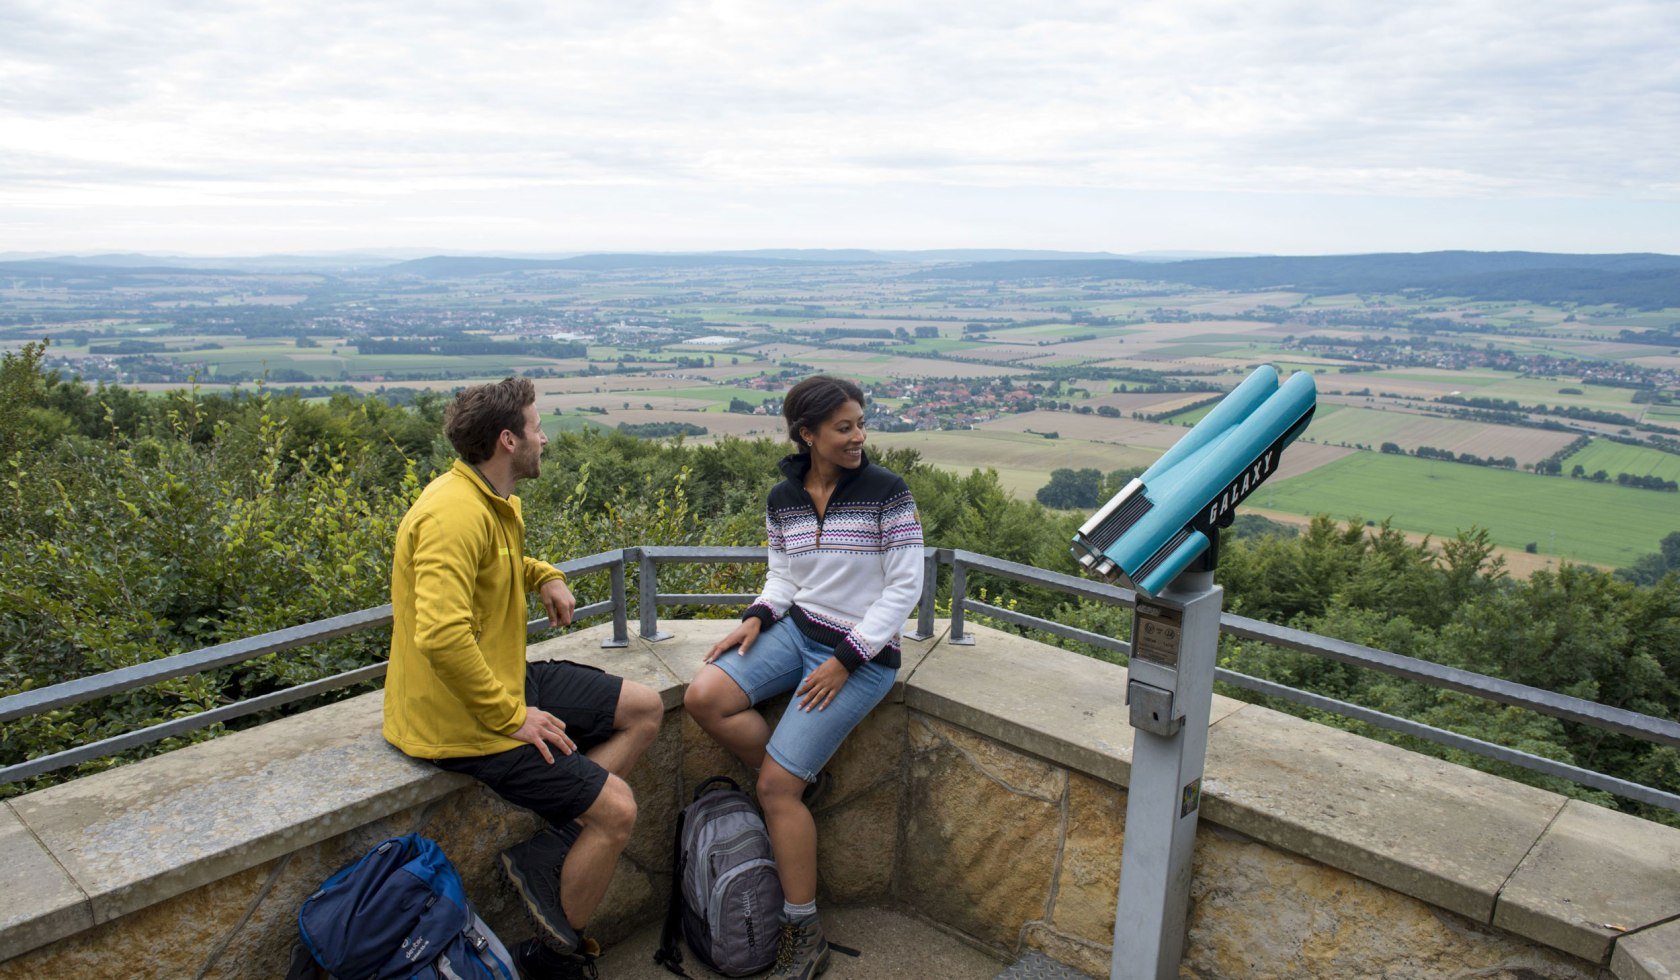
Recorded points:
(480, 414)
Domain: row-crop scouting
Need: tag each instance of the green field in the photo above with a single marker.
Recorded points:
(552, 424)
(718, 395)
(1614, 457)
(1023, 461)
(1372, 427)
(1190, 350)
(1464, 380)
(1538, 391)
(938, 345)
(1589, 522)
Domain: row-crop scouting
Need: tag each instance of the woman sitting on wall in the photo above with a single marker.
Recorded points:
(845, 571)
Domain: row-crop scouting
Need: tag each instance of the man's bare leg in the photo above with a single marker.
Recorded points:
(588, 869)
(635, 725)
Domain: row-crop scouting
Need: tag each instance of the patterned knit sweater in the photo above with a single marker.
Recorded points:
(849, 579)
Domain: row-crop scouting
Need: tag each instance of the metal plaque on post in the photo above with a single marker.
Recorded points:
(1157, 632)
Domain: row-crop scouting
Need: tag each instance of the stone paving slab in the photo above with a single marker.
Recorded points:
(1051, 702)
(893, 945)
(1443, 833)
(1595, 874)
(38, 901)
(1650, 954)
(636, 662)
(682, 652)
(1037, 966)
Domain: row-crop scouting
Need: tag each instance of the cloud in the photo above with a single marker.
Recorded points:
(1477, 99)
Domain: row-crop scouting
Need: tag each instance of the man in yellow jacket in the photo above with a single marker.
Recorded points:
(555, 737)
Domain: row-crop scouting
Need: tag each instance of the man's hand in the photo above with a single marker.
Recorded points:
(541, 728)
(558, 601)
(742, 636)
(824, 683)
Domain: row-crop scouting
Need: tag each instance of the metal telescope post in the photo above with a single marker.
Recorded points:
(1169, 689)
(1160, 537)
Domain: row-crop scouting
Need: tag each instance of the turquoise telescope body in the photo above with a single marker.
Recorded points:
(1169, 517)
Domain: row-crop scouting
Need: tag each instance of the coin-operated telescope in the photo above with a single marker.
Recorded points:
(1160, 536)
(1164, 520)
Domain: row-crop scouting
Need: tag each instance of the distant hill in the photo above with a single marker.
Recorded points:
(836, 255)
(75, 269)
(919, 255)
(449, 266)
(445, 266)
(1641, 280)
(992, 255)
(338, 262)
(1646, 280)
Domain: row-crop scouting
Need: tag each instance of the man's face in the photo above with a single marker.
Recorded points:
(528, 446)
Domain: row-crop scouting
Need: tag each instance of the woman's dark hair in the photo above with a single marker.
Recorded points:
(480, 414)
(810, 402)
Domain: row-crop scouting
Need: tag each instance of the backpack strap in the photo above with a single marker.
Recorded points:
(303, 965)
(668, 955)
(706, 787)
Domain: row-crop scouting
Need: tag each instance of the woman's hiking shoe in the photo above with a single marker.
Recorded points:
(534, 869)
(801, 951)
(538, 962)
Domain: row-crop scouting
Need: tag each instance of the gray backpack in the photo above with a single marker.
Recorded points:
(725, 896)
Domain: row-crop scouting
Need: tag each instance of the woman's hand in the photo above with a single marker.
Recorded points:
(824, 683)
(742, 636)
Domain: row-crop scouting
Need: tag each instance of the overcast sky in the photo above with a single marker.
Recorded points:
(1288, 127)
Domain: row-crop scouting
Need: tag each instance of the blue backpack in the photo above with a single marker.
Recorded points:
(401, 911)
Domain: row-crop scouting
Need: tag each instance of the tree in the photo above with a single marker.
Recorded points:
(23, 398)
(1069, 489)
(1649, 569)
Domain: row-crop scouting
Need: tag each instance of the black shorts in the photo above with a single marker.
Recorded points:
(586, 699)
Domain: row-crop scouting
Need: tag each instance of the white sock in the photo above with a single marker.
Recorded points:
(793, 913)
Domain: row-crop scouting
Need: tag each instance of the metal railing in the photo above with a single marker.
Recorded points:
(648, 559)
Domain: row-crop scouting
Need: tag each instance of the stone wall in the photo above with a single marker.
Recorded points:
(986, 795)
(1020, 853)
(244, 925)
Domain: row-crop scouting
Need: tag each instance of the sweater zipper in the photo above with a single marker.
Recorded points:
(822, 516)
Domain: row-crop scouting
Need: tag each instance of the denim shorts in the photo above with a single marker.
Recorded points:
(777, 662)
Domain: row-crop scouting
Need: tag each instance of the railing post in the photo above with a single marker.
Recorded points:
(620, 631)
(647, 581)
(930, 589)
(959, 591)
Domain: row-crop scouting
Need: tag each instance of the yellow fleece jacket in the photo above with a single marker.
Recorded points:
(456, 682)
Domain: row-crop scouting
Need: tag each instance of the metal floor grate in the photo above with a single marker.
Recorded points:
(1037, 966)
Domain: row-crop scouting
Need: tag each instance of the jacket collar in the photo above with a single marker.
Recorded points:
(795, 466)
(496, 500)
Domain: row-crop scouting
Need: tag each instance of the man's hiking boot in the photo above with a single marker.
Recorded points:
(801, 951)
(538, 962)
(534, 869)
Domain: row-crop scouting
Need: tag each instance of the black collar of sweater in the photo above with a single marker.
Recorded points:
(795, 466)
